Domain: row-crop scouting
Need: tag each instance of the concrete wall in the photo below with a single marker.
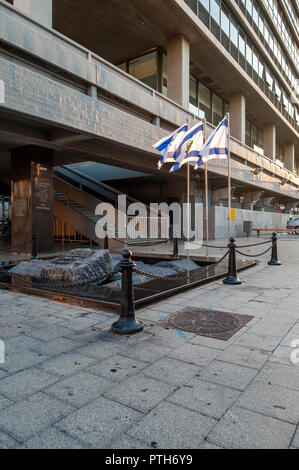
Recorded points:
(218, 221)
(40, 10)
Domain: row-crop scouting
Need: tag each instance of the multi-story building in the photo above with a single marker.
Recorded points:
(100, 81)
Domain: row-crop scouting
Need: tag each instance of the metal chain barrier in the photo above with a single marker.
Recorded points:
(242, 246)
(257, 255)
(179, 278)
(16, 246)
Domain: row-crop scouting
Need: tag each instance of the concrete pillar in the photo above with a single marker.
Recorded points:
(237, 108)
(40, 10)
(270, 141)
(178, 70)
(289, 156)
(92, 91)
(32, 197)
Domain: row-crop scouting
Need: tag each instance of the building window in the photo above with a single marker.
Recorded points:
(254, 136)
(144, 68)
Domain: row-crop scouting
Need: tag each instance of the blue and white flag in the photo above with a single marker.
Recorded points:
(190, 147)
(168, 145)
(216, 146)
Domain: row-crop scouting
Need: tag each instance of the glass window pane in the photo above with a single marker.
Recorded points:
(242, 42)
(234, 31)
(249, 52)
(193, 91)
(205, 101)
(255, 61)
(261, 23)
(249, 6)
(205, 4)
(145, 69)
(225, 20)
(217, 109)
(255, 14)
(215, 10)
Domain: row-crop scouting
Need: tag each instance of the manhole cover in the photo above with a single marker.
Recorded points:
(211, 323)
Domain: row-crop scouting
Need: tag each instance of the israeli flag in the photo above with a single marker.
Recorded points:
(190, 147)
(168, 145)
(216, 146)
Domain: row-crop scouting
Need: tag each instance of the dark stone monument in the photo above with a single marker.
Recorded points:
(82, 265)
(32, 198)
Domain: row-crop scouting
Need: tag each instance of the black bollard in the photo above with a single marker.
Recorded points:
(34, 254)
(106, 243)
(127, 323)
(232, 276)
(274, 258)
(175, 247)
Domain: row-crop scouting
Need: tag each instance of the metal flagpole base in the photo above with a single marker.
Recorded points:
(232, 280)
(129, 326)
(274, 262)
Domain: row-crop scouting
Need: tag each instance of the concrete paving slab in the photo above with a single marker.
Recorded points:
(283, 375)
(140, 392)
(32, 415)
(15, 362)
(67, 364)
(243, 429)
(55, 347)
(21, 385)
(79, 389)
(7, 442)
(52, 438)
(171, 371)
(195, 354)
(98, 422)
(250, 357)
(208, 399)
(117, 367)
(128, 442)
(169, 426)
(271, 400)
(227, 374)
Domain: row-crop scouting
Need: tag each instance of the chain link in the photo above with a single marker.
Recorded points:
(259, 254)
(16, 246)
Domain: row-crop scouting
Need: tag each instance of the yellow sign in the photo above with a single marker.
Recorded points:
(266, 226)
(233, 214)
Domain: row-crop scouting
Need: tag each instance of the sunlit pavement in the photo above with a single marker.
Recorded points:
(68, 382)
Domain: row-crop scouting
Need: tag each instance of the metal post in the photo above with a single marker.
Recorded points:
(34, 253)
(175, 247)
(274, 261)
(229, 186)
(106, 243)
(127, 323)
(232, 276)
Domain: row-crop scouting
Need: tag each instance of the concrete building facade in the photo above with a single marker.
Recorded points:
(100, 82)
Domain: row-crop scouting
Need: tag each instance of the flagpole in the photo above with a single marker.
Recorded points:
(206, 194)
(228, 174)
(188, 208)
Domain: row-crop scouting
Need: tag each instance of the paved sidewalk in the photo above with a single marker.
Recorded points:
(69, 383)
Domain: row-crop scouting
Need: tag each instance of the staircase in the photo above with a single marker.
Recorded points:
(76, 197)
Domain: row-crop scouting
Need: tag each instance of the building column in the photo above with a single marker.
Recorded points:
(289, 156)
(40, 10)
(178, 70)
(237, 108)
(32, 197)
(270, 141)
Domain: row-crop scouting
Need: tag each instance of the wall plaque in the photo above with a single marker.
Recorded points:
(20, 207)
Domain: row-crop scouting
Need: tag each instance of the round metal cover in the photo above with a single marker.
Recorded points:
(212, 323)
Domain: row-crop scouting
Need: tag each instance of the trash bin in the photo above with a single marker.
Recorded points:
(247, 227)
